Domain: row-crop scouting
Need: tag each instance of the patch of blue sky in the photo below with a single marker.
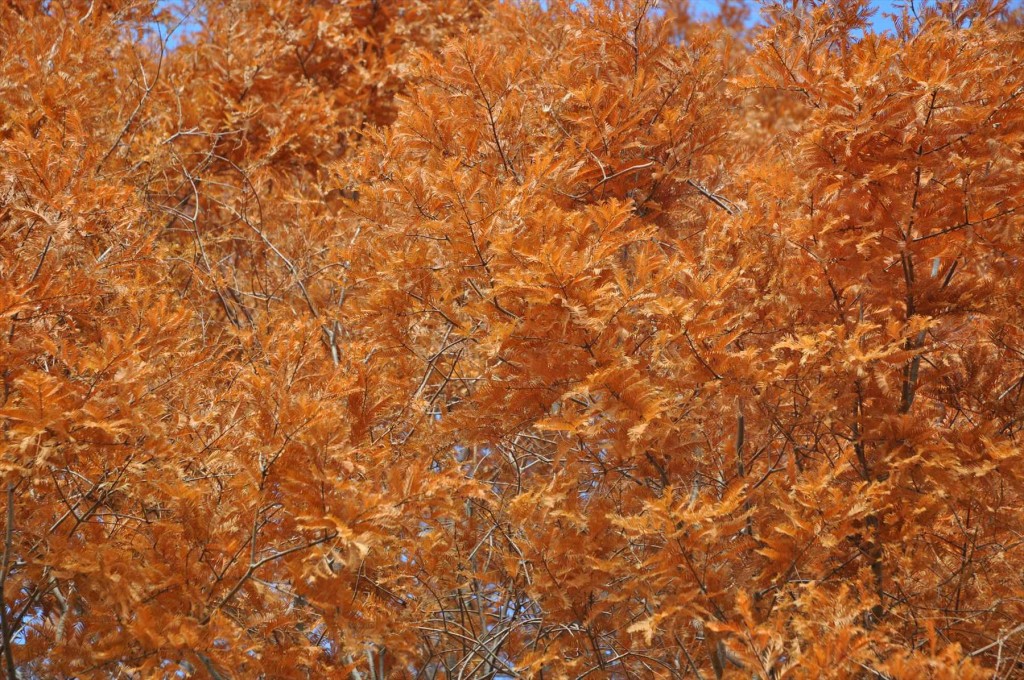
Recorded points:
(187, 20)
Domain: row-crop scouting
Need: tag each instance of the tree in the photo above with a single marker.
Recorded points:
(464, 339)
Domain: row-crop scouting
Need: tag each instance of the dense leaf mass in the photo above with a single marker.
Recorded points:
(474, 339)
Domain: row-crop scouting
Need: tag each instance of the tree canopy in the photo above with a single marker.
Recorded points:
(474, 339)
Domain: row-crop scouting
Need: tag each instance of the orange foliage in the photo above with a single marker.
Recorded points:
(465, 339)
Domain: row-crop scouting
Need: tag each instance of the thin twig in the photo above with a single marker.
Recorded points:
(999, 641)
(4, 572)
(138, 108)
(714, 198)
